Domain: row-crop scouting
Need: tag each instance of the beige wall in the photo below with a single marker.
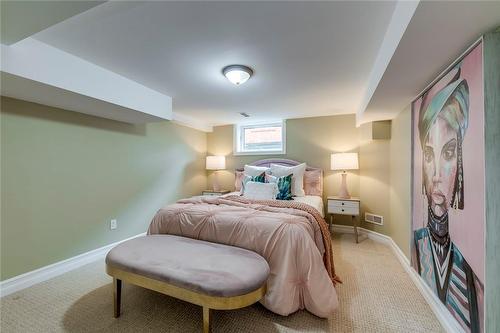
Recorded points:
(311, 140)
(400, 171)
(374, 184)
(382, 183)
(65, 175)
(385, 177)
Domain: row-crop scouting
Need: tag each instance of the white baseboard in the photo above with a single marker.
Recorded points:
(44, 273)
(443, 315)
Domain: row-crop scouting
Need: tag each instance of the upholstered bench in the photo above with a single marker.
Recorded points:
(211, 275)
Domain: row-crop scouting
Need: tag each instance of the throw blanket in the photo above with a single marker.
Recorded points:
(291, 236)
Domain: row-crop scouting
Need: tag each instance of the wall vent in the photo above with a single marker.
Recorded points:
(375, 219)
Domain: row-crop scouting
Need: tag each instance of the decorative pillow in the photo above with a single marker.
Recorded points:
(297, 178)
(284, 186)
(238, 179)
(261, 191)
(258, 179)
(253, 171)
(313, 182)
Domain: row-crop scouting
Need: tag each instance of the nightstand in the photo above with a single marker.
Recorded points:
(215, 193)
(342, 206)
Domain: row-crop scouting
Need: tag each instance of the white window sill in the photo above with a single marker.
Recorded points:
(277, 152)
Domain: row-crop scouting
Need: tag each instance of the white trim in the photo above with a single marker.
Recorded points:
(443, 315)
(237, 138)
(400, 19)
(28, 279)
(59, 79)
(275, 152)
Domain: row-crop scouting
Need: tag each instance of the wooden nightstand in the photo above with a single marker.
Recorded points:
(341, 206)
(215, 193)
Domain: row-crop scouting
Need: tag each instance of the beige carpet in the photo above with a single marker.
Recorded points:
(376, 296)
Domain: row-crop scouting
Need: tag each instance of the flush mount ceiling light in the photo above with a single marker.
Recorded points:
(237, 74)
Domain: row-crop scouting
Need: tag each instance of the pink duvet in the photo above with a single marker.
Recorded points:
(289, 235)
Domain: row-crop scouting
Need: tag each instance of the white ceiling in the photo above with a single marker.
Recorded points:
(21, 19)
(437, 34)
(49, 78)
(309, 58)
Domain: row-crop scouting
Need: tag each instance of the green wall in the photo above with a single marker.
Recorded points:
(491, 47)
(64, 175)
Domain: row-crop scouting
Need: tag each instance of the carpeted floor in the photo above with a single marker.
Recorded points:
(377, 296)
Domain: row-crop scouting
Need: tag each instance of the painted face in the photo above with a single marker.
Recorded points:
(440, 165)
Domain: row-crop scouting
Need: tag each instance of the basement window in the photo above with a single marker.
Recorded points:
(260, 139)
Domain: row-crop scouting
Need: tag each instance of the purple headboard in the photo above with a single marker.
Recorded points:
(313, 184)
(280, 161)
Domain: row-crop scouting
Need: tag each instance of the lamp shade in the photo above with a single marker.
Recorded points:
(216, 163)
(344, 161)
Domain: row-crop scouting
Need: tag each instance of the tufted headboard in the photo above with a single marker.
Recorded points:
(280, 161)
(313, 178)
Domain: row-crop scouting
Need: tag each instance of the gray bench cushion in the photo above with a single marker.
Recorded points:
(208, 268)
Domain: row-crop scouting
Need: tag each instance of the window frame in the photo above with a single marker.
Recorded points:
(238, 137)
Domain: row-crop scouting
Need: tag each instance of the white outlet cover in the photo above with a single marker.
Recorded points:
(113, 224)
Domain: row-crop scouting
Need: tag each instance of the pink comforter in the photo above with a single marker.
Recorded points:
(289, 237)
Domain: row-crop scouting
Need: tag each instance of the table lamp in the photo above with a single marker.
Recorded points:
(344, 161)
(216, 163)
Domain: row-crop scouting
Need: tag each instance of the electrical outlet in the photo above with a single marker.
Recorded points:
(113, 224)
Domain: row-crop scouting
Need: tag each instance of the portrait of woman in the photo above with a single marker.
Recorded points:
(443, 119)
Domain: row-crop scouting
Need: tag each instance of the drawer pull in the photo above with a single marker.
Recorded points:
(342, 204)
(342, 210)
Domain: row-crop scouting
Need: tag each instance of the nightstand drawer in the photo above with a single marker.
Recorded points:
(343, 203)
(343, 210)
(345, 207)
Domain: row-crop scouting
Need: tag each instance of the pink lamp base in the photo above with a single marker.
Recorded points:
(216, 185)
(344, 193)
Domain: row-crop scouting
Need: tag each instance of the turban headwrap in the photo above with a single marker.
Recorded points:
(458, 119)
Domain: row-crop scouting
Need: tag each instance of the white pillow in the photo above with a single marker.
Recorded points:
(297, 178)
(261, 191)
(254, 171)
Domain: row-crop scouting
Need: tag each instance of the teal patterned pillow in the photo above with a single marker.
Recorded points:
(259, 179)
(284, 186)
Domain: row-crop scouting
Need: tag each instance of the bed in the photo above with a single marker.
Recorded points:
(290, 234)
(314, 201)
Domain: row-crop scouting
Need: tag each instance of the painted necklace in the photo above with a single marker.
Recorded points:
(438, 229)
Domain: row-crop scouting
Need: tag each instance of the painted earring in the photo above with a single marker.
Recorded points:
(458, 193)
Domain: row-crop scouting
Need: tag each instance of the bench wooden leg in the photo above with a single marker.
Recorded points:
(206, 320)
(117, 296)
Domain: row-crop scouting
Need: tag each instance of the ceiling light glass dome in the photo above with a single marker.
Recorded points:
(237, 74)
